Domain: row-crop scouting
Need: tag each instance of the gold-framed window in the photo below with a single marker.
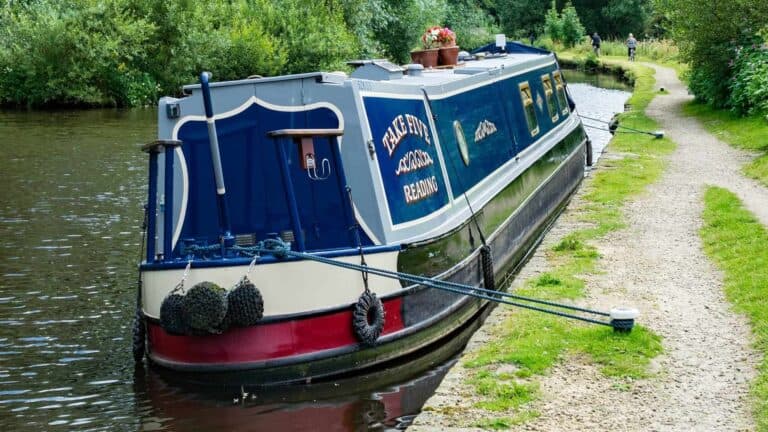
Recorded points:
(560, 89)
(549, 97)
(528, 108)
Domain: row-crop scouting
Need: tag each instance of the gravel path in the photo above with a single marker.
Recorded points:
(702, 378)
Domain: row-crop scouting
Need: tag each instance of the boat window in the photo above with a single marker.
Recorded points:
(530, 111)
(560, 89)
(461, 141)
(550, 97)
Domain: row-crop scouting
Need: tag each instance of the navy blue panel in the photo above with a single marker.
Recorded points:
(405, 150)
(512, 47)
(489, 140)
(514, 106)
(255, 192)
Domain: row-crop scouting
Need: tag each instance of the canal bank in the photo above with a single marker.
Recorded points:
(651, 257)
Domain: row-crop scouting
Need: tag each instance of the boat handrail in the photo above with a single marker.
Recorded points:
(301, 133)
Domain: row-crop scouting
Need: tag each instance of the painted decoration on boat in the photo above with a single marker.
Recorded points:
(408, 162)
(484, 129)
(482, 144)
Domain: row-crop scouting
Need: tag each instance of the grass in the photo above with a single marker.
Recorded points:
(736, 241)
(529, 343)
(749, 133)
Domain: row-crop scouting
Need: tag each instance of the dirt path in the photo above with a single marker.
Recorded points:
(702, 378)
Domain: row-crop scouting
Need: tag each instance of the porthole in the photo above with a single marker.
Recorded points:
(461, 142)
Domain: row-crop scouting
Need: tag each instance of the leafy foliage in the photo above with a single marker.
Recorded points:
(565, 27)
(611, 19)
(69, 52)
(571, 27)
(710, 35)
(473, 25)
(553, 25)
(127, 52)
(749, 85)
(403, 22)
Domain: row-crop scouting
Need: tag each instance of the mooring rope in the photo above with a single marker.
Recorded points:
(280, 249)
(657, 134)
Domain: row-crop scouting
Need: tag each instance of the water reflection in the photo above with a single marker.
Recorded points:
(70, 215)
(70, 211)
(598, 97)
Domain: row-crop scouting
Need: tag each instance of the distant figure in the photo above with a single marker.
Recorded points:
(631, 46)
(596, 43)
(532, 37)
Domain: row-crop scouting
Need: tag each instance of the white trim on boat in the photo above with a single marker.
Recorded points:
(248, 103)
(288, 287)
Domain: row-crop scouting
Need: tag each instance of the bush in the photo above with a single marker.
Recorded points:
(564, 27)
(473, 26)
(71, 53)
(707, 33)
(127, 52)
(749, 85)
(403, 23)
(572, 30)
(553, 25)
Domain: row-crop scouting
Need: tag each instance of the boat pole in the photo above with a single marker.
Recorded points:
(213, 140)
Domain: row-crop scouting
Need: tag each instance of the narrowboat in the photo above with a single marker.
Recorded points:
(256, 185)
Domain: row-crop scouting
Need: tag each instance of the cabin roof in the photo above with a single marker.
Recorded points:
(428, 77)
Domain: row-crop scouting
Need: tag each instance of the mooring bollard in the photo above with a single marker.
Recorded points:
(623, 319)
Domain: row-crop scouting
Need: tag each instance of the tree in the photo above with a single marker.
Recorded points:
(403, 23)
(572, 30)
(708, 35)
(565, 27)
(521, 17)
(553, 25)
(473, 25)
(622, 17)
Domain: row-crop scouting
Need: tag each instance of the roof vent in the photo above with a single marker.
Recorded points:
(415, 70)
(376, 70)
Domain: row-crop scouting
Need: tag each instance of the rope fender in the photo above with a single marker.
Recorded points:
(368, 318)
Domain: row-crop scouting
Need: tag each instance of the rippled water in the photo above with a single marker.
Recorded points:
(598, 97)
(70, 211)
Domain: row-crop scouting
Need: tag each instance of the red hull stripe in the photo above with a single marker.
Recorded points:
(268, 341)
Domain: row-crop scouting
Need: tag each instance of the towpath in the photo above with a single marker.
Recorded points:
(701, 381)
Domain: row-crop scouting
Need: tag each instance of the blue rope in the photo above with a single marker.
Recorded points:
(280, 249)
(491, 295)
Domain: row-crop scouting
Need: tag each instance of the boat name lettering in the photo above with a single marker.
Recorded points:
(484, 130)
(403, 125)
(420, 189)
(414, 160)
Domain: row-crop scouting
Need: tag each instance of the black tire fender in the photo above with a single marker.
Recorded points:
(368, 318)
(486, 261)
(139, 336)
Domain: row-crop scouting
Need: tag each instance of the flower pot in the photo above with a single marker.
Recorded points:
(426, 58)
(448, 56)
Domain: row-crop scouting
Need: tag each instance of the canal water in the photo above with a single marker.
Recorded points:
(70, 214)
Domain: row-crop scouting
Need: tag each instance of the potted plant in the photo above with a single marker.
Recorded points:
(427, 56)
(449, 51)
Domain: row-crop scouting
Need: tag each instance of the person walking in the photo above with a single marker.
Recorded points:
(596, 43)
(631, 46)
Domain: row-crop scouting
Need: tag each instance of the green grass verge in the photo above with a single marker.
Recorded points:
(528, 343)
(742, 132)
(737, 242)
